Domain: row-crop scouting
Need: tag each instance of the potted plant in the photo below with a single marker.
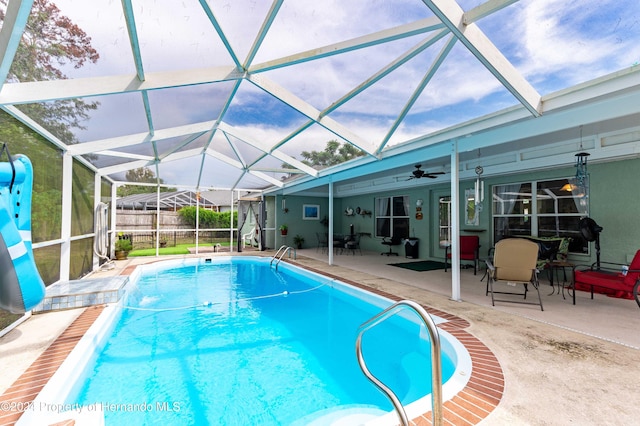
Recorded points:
(122, 248)
(298, 240)
(284, 229)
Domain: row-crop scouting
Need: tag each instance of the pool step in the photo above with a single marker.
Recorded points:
(82, 293)
(343, 415)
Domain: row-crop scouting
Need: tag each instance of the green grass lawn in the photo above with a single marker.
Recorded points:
(164, 251)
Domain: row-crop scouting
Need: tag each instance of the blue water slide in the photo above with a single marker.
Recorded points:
(21, 287)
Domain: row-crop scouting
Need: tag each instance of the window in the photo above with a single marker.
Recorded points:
(553, 212)
(392, 216)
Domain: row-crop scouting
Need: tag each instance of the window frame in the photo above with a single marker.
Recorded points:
(530, 212)
(391, 217)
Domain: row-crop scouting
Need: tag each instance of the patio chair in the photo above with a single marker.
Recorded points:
(323, 241)
(469, 250)
(338, 243)
(514, 262)
(353, 244)
(394, 241)
(249, 238)
(613, 279)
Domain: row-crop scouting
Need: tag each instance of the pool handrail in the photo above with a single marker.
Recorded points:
(281, 251)
(436, 364)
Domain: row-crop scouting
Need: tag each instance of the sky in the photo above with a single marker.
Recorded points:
(554, 44)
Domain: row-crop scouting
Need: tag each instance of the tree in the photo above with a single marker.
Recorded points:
(141, 174)
(334, 153)
(50, 41)
(144, 175)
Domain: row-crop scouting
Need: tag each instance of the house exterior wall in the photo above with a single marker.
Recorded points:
(614, 203)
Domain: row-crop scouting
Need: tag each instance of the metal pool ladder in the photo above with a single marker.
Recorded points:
(281, 251)
(436, 364)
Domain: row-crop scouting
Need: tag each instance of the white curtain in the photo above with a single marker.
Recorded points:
(382, 206)
(405, 201)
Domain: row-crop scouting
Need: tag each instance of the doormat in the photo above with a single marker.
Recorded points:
(422, 265)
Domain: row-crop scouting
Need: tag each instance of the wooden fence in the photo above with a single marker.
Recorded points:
(140, 228)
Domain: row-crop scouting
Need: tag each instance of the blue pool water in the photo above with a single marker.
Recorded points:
(235, 342)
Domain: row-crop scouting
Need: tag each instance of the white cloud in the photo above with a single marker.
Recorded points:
(569, 37)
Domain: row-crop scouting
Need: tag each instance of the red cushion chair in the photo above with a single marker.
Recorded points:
(609, 279)
(469, 250)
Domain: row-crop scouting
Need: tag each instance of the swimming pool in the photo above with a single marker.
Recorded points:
(232, 341)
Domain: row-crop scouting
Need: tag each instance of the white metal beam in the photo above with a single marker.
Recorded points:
(486, 9)
(138, 138)
(125, 167)
(221, 34)
(392, 66)
(262, 33)
(128, 155)
(455, 222)
(66, 215)
(306, 109)
(380, 37)
(262, 147)
(418, 91)
(224, 158)
(486, 52)
(267, 178)
(182, 155)
(411, 53)
(40, 91)
(129, 18)
(15, 19)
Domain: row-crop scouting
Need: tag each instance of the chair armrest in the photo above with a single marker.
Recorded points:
(604, 267)
(582, 268)
(490, 265)
(608, 265)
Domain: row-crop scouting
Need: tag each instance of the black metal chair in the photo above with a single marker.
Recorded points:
(353, 244)
(323, 241)
(394, 241)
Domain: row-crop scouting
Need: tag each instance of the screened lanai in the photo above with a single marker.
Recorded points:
(174, 200)
(228, 95)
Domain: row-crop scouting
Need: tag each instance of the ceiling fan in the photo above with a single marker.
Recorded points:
(419, 173)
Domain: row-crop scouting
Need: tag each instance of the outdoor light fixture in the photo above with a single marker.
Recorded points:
(284, 205)
(419, 202)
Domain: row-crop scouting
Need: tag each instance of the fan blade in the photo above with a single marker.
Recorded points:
(433, 175)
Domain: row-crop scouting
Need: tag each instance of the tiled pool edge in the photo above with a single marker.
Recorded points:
(486, 385)
(25, 389)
